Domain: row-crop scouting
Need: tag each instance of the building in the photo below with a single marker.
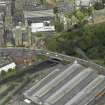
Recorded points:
(6, 63)
(39, 16)
(31, 5)
(21, 36)
(3, 5)
(36, 5)
(1, 30)
(5, 22)
(74, 85)
(64, 6)
(84, 3)
(40, 21)
(40, 31)
(42, 27)
(7, 67)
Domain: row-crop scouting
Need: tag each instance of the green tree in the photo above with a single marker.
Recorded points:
(55, 10)
(42, 2)
(3, 73)
(59, 26)
(98, 5)
(80, 16)
(103, 1)
(90, 40)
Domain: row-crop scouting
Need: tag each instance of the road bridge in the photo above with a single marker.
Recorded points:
(54, 55)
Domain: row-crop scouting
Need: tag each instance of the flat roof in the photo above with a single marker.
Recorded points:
(39, 27)
(75, 85)
(65, 6)
(41, 13)
(84, 2)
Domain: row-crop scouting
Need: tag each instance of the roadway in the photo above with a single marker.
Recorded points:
(54, 55)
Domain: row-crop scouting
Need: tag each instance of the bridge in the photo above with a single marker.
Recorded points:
(55, 55)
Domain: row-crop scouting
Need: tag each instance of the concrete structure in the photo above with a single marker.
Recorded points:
(75, 85)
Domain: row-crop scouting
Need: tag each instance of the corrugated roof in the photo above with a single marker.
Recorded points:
(75, 85)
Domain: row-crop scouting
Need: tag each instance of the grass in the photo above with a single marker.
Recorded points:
(3, 88)
(41, 57)
(100, 62)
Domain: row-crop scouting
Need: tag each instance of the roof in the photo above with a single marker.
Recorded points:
(65, 6)
(37, 14)
(84, 2)
(40, 27)
(75, 85)
(8, 66)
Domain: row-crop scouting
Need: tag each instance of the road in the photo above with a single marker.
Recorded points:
(53, 55)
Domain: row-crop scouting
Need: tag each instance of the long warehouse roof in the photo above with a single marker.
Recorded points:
(75, 85)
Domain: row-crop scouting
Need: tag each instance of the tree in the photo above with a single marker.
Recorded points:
(90, 40)
(52, 44)
(59, 26)
(98, 5)
(55, 10)
(80, 16)
(10, 70)
(43, 2)
(3, 73)
(103, 1)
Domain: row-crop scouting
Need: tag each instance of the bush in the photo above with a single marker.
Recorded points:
(90, 39)
(59, 26)
(103, 1)
(9, 74)
(98, 5)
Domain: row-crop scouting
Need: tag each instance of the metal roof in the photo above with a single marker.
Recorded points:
(75, 85)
